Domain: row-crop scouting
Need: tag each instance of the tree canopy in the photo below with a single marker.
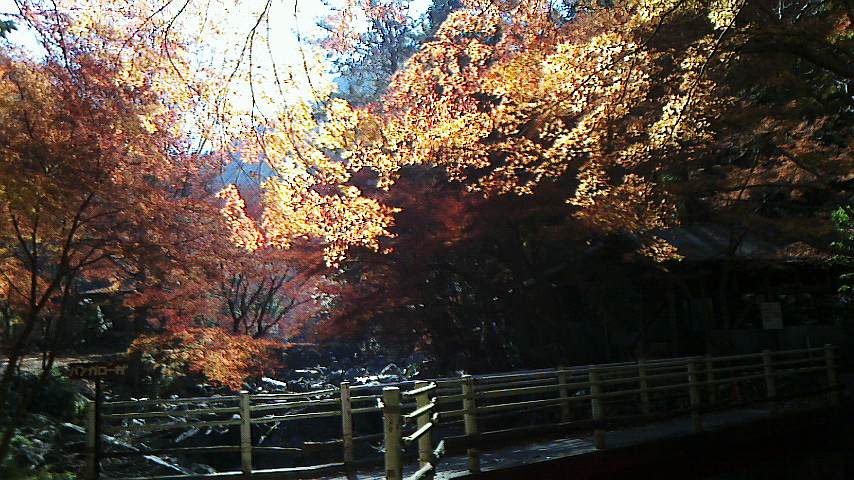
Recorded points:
(487, 151)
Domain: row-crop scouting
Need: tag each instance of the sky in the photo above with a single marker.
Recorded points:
(286, 22)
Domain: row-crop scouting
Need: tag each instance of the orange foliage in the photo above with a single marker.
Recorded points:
(223, 358)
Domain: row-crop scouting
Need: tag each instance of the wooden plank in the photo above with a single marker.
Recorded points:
(797, 351)
(172, 450)
(741, 378)
(366, 409)
(274, 396)
(420, 432)
(513, 392)
(788, 371)
(292, 472)
(797, 361)
(422, 472)
(516, 383)
(426, 388)
(297, 416)
(449, 399)
(425, 408)
(518, 405)
(153, 427)
(621, 393)
(450, 414)
(739, 368)
(286, 405)
(749, 356)
(172, 413)
(171, 401)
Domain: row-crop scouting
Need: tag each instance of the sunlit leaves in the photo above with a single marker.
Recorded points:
(244, 232)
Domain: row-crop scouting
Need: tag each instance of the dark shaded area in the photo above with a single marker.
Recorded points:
(799, 446)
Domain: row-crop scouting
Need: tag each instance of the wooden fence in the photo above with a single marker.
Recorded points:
(469, 413)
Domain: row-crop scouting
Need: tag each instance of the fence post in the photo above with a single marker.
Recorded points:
(711, 386)
(597, 407)
(425, 444)
(346, 422)
(832, 378)
(245, 434)
(565, 412)
(470, 420)
(694, 397)
(644, 387)
(391, 433)
(91, 443)
(770, 377)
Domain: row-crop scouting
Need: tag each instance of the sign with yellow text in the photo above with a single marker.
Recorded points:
(96, 370)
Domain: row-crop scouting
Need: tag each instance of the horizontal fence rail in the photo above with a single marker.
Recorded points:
(422, 420)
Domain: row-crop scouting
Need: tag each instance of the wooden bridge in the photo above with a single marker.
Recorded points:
(446, 426)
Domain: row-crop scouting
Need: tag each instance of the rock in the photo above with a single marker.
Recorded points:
(71, 429)
(186, 434)
(274, 385)
(335, 377)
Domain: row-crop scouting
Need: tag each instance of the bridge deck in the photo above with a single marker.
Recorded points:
(539, 451)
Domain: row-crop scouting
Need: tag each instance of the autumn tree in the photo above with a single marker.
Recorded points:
(223, 359)
(645, 115)
(270, 292)
(636, 115)
(99, 182)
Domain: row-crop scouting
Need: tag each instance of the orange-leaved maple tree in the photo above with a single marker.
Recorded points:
(101, 184)
(221, 357)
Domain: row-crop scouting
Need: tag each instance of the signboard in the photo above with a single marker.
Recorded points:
(97, 370)
(772, 315)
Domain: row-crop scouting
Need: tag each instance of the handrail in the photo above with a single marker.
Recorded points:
(170, 401)
(425, 389)
(420, 411)
(677, 385)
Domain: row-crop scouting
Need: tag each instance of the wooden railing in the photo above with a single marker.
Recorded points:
(461, 413)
